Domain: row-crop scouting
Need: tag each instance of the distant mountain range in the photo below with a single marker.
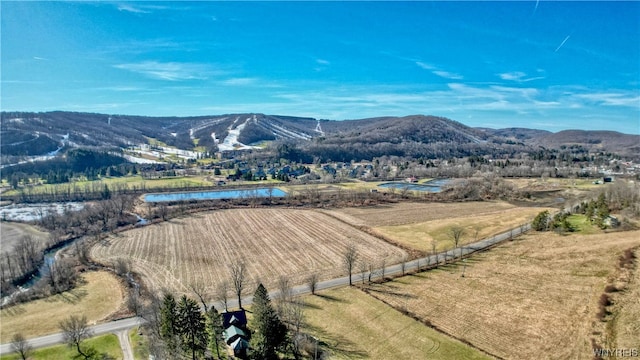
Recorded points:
(32, 134)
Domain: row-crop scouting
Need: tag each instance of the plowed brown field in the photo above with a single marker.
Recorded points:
(272, 242)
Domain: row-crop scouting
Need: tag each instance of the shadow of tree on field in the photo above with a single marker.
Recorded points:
(74, 296)
(392, 293)
(335, 343)
(14, 310)
(330, 298)
(312, 306)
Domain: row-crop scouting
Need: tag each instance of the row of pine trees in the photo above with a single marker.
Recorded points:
(189, 331)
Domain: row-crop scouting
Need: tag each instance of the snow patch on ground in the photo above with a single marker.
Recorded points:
(279, 130)
(139, 160)
(319, 129)
(231, 141)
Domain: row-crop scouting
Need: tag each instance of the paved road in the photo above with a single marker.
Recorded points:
(110, 327)
(126, 324)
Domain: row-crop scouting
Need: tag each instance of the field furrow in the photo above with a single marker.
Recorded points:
(272, 243)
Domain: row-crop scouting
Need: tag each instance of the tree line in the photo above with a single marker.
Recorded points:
(621, 197)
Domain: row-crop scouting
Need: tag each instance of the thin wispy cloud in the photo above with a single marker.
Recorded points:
(425, 65)
(183, 56)
(562, 43)
(121, 88)
(240, 81)
(439, 72)
(611, 99)
(518, 76)
(448, 75)
(146, 8)
(512, 76)
(132, 9)
(170, 71)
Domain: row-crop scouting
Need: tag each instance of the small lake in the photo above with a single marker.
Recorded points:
(433, 186)
(215, 194)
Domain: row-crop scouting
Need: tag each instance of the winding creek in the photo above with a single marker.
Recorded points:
(34, 212)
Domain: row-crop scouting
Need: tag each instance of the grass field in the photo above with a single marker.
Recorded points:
(554, 184)
(139, 344)
(581, 224)
(626, 327)
(416, 224)
(532, 298)
(104, 344)
(99, 296)
(11, 232)
(272, 242)
(129, 182)
(354, 325)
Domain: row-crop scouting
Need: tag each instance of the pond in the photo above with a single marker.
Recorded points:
(433, 186)
(215, 194)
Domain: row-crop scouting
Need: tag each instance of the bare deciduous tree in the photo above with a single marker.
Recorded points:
(456, 233)
(372, 272)
(133, 301)
(222, 294)
(349, 259)
(21, 346)
(312, 282)
(238, 270)
(198, 288)
(75, 330)
(122, 266)
(284, 286)
(403, 264)
(434, 250)
(363, 270)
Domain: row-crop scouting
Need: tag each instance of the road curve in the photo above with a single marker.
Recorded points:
(129, 323)
(53, 339)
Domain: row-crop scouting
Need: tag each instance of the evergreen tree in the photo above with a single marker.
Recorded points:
(214, 330)
(541, 221)
(106, 193)
(269, 331)
(191, 327)
(169, 323)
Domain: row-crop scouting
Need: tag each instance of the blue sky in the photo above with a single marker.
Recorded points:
(537, 64)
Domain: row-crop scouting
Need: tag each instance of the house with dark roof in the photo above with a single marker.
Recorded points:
(236, 335)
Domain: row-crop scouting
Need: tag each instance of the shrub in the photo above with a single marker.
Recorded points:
(627, 259)
(541, 221)
(604, 301)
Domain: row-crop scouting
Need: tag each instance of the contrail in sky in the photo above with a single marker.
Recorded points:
(536, 8)
(562, 43)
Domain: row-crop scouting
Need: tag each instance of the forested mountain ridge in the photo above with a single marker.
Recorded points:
(31, 134)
